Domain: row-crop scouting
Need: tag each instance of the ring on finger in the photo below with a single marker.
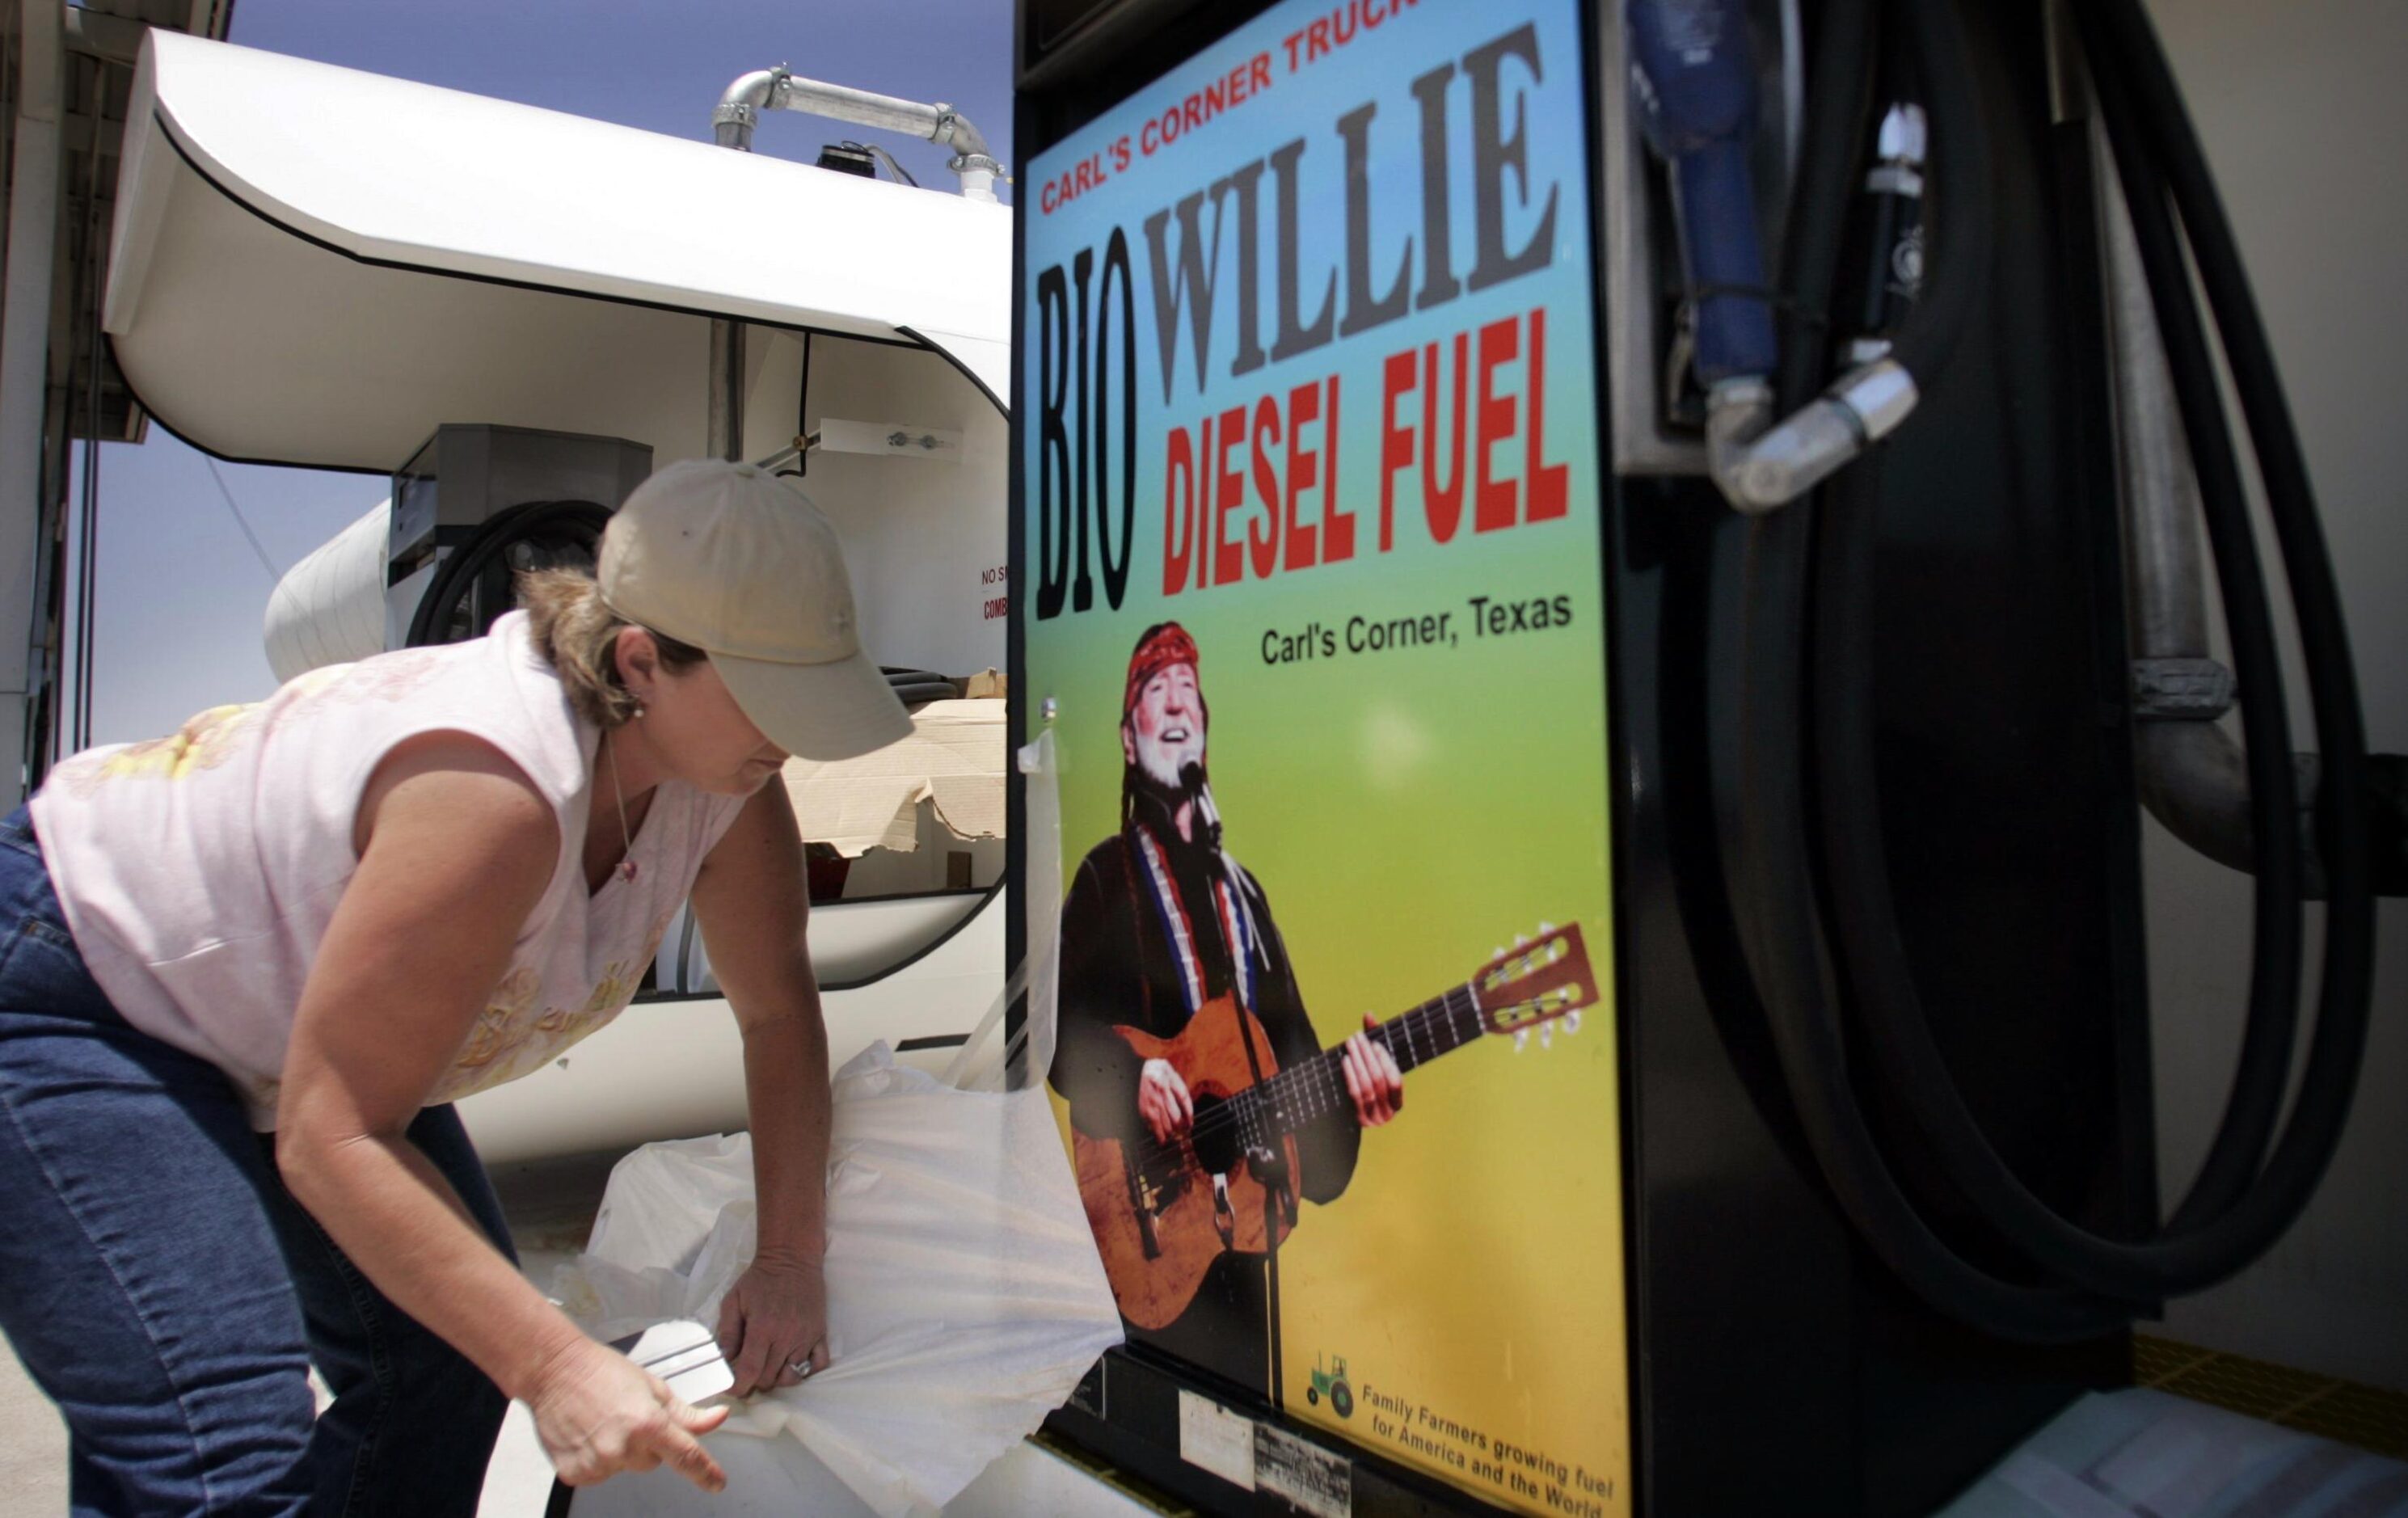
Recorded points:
(802, 1369)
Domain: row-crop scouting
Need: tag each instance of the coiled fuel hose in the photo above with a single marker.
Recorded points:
(2072, 1283)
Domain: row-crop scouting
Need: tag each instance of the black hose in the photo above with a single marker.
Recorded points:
(2232, 1214)
(1866, 914)
(2280, 869)
(916, 687)
(1961, 189)
(2320, 1110)
(1830, 137)
(1773, 899)
(2344, 823)
(1785, 955)
(488, 542)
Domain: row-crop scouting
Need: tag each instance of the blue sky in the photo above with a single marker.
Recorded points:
(181, 592)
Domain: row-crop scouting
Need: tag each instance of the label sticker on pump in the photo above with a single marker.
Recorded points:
(1309, 574)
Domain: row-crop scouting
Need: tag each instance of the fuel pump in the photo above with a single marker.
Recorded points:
(1666, 469)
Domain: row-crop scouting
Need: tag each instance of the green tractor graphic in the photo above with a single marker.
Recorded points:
(1331, 1383)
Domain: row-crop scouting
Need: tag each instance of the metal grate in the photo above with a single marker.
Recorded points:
(2368, 1417)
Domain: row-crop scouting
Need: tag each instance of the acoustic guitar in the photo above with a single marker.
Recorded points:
(1163, 1212)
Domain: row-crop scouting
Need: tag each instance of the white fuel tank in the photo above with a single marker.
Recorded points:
(330, 607)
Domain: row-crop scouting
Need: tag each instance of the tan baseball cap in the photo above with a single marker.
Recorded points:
(725, 557)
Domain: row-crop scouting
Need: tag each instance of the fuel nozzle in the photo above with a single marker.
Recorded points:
(1761, 464)
(1693, 77)
(1694, 80)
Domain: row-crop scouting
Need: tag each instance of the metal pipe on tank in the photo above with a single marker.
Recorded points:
(732, 121)
(2164, 561)
(776, 89)
(725, 423)
(2192, 774)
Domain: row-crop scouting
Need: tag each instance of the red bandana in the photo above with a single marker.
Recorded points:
(1166, 645)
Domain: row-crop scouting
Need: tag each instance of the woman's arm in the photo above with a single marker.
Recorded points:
(456, 846)
(754, 905)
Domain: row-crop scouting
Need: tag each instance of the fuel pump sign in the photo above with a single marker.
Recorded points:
(1311, 577)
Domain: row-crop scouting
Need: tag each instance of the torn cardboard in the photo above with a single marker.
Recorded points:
(954, 760)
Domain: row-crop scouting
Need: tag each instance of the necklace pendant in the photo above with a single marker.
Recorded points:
(626, 870)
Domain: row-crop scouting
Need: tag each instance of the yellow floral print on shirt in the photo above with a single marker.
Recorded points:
(213, 737)
(512, 1038)
(205, 742)
(616, 988)
(501, 1027)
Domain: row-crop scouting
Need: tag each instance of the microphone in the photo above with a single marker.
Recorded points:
(1200, 791)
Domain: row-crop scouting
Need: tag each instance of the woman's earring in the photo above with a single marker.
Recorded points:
(640, 714)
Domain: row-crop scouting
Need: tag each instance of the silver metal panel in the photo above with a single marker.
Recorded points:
(1627, 289)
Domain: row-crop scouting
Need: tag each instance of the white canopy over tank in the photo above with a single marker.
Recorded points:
(316, 265)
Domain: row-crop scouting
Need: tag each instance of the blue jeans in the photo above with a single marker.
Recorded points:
(168, 1291)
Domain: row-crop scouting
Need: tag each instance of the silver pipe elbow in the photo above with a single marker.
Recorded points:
(740, 107)
(973, 163)
(955, 131)
(2194, 779)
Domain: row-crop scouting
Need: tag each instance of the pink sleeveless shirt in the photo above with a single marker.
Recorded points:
(198, 872)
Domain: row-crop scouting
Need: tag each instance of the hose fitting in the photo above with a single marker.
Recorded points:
(1761, 467)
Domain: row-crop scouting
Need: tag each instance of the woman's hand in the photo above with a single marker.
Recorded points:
(773, 1319)
(1373, 1082)
(598, 1413)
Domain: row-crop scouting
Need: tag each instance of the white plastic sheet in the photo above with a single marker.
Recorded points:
(2141, 1451)
(965, 1295)
(964, 1298)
